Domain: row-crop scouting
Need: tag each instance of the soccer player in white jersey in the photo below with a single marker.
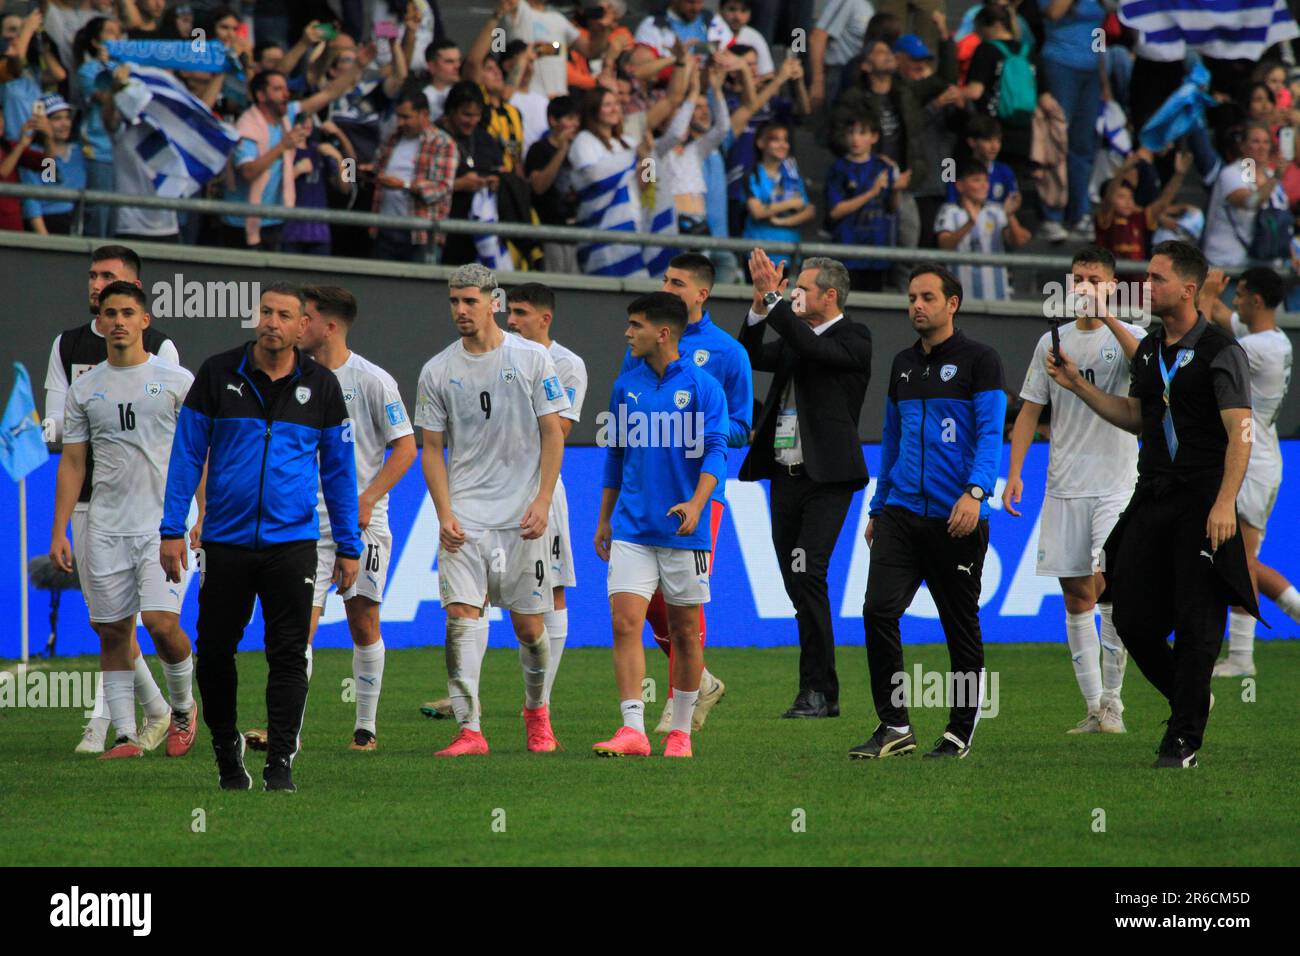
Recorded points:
(1091, 471)
(493, 400)
(379, 422)
(74, 352)
(1254, 323)
(665, 435)
(125, 410)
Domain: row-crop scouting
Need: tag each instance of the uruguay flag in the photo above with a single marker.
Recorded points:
(492, 249)
(1225, 29)
(180, 141)
(22, 447)
(661, 219)
(608, 199)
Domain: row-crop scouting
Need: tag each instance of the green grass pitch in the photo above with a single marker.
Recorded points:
(760, 790)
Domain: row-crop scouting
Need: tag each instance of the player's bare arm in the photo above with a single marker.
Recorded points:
(400, 457)
(689, 511)
(450, 534)
(1210, 299)
(604, 533)
(1221, 524)
(1022, 436)
(1120, 410)
(552, 438)
(72, 472)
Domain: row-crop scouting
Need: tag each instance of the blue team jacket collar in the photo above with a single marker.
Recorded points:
(695, 328)
(246, 367)
(673, 368)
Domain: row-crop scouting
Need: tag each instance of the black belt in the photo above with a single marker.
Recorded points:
(794, 471)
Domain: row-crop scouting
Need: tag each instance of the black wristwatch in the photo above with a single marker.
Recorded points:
(771, 298)
(976, 492)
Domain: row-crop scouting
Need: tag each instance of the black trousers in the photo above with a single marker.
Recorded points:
(806, 521)
(907, 549)
(1162, 582)
(282, 577)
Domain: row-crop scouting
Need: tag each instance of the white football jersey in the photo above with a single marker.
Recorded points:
(573, 376)
(1269, 353)
(487, 406)
(1089, 457)
(378, 417)
(128, 415)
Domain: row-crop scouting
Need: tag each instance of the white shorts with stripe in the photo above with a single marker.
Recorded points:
(122, 576)
(682, 574)
(1072, 531)
(372, 569)
(501, 567)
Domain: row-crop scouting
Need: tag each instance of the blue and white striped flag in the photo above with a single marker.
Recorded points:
(492, 249)
(661, 219)
(180, 141)
(608, 199)
(1225, 29)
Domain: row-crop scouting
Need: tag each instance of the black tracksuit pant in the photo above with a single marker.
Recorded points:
(283, 578)
(907, 549)
(1165, 581)
(806, 520)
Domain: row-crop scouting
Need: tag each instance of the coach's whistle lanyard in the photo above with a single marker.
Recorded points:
(1167, 375)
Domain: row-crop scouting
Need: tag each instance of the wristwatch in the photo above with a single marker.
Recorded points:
(771, 298)
(975, 491)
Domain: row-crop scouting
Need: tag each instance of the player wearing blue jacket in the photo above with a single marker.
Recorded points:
(665, 432)
(271, 424)
(690, 277)
(939, 461)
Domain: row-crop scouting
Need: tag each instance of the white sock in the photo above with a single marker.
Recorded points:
(1114, 659)
(464, 662)
(905, 729)
(1289, 601)
(481, 635)
(310, 660)
(683, 709)
(119, 691)
(633, 715)
(1241, 638)
(101, 705)
(534, 659)
(146, 690)
(1081, 633)
(557, 629)
(180, 684)
(368, 676)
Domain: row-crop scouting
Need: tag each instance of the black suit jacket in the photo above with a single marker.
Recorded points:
(830, 373)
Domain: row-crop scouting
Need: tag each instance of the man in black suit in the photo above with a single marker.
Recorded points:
(806, 441)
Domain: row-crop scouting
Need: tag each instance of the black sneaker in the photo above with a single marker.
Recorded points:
(231, 773)
(885, 742)
(278, 775)
(949, 745)
(1174, 752)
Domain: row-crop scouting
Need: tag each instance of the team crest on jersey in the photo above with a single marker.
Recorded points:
(302, 393)
(349, 394)
(1110, 353)
(508, 375)
(681, 398)
(701, 356)
(947, 372)
(153, 389)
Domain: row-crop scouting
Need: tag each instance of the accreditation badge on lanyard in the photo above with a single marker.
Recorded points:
(785, 427)
(1167, 374)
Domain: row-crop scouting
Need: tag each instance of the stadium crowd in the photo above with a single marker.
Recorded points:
(868, 124)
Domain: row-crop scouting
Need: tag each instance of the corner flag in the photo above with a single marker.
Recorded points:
(22, 446)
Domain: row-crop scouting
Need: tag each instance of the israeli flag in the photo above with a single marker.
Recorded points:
(1225, 29)
(609, 199)
(492, 249)
(179, 140)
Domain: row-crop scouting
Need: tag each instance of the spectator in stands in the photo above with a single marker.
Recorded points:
(318, 168)
(267, 56)
(12, 156)
(482, 161)
(1072, 75)
(974, 224)
(415, 169)
(501, 118)
(63, 20)
(736, 14)
(131, 174)
(552, 35)
(646, 107)
(1124, 227)
(862, 200)
(54, 126)
(443, 60)
(22, 86)
(837, 38)
(1240, 191)
(750, 108)
(985, 88)
(983, 143)
(517, 68)
(547, 168)
(776, 199)
(90, 53)
(144, 19)
(681, 168)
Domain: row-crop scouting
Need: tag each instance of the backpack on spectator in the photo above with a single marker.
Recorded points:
(1272, 237)
(1017, 88)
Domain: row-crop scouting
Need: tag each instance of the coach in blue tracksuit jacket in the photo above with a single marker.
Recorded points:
(270, 422)
(939, 460)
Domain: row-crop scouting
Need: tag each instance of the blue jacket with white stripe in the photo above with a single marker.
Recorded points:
(944, 420)
(264, 462)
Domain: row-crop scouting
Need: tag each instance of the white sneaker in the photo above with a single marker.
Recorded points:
(705, 703)
(1111, 721)
(666, 720)
(154, 731)
(1083, 229)
(93, 738)
(1089, 725)
(1052, 231)
(1226, 668)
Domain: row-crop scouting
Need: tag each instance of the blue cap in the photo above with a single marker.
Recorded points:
(913, 46)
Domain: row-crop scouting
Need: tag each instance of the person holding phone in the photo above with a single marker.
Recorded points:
(550, 34)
